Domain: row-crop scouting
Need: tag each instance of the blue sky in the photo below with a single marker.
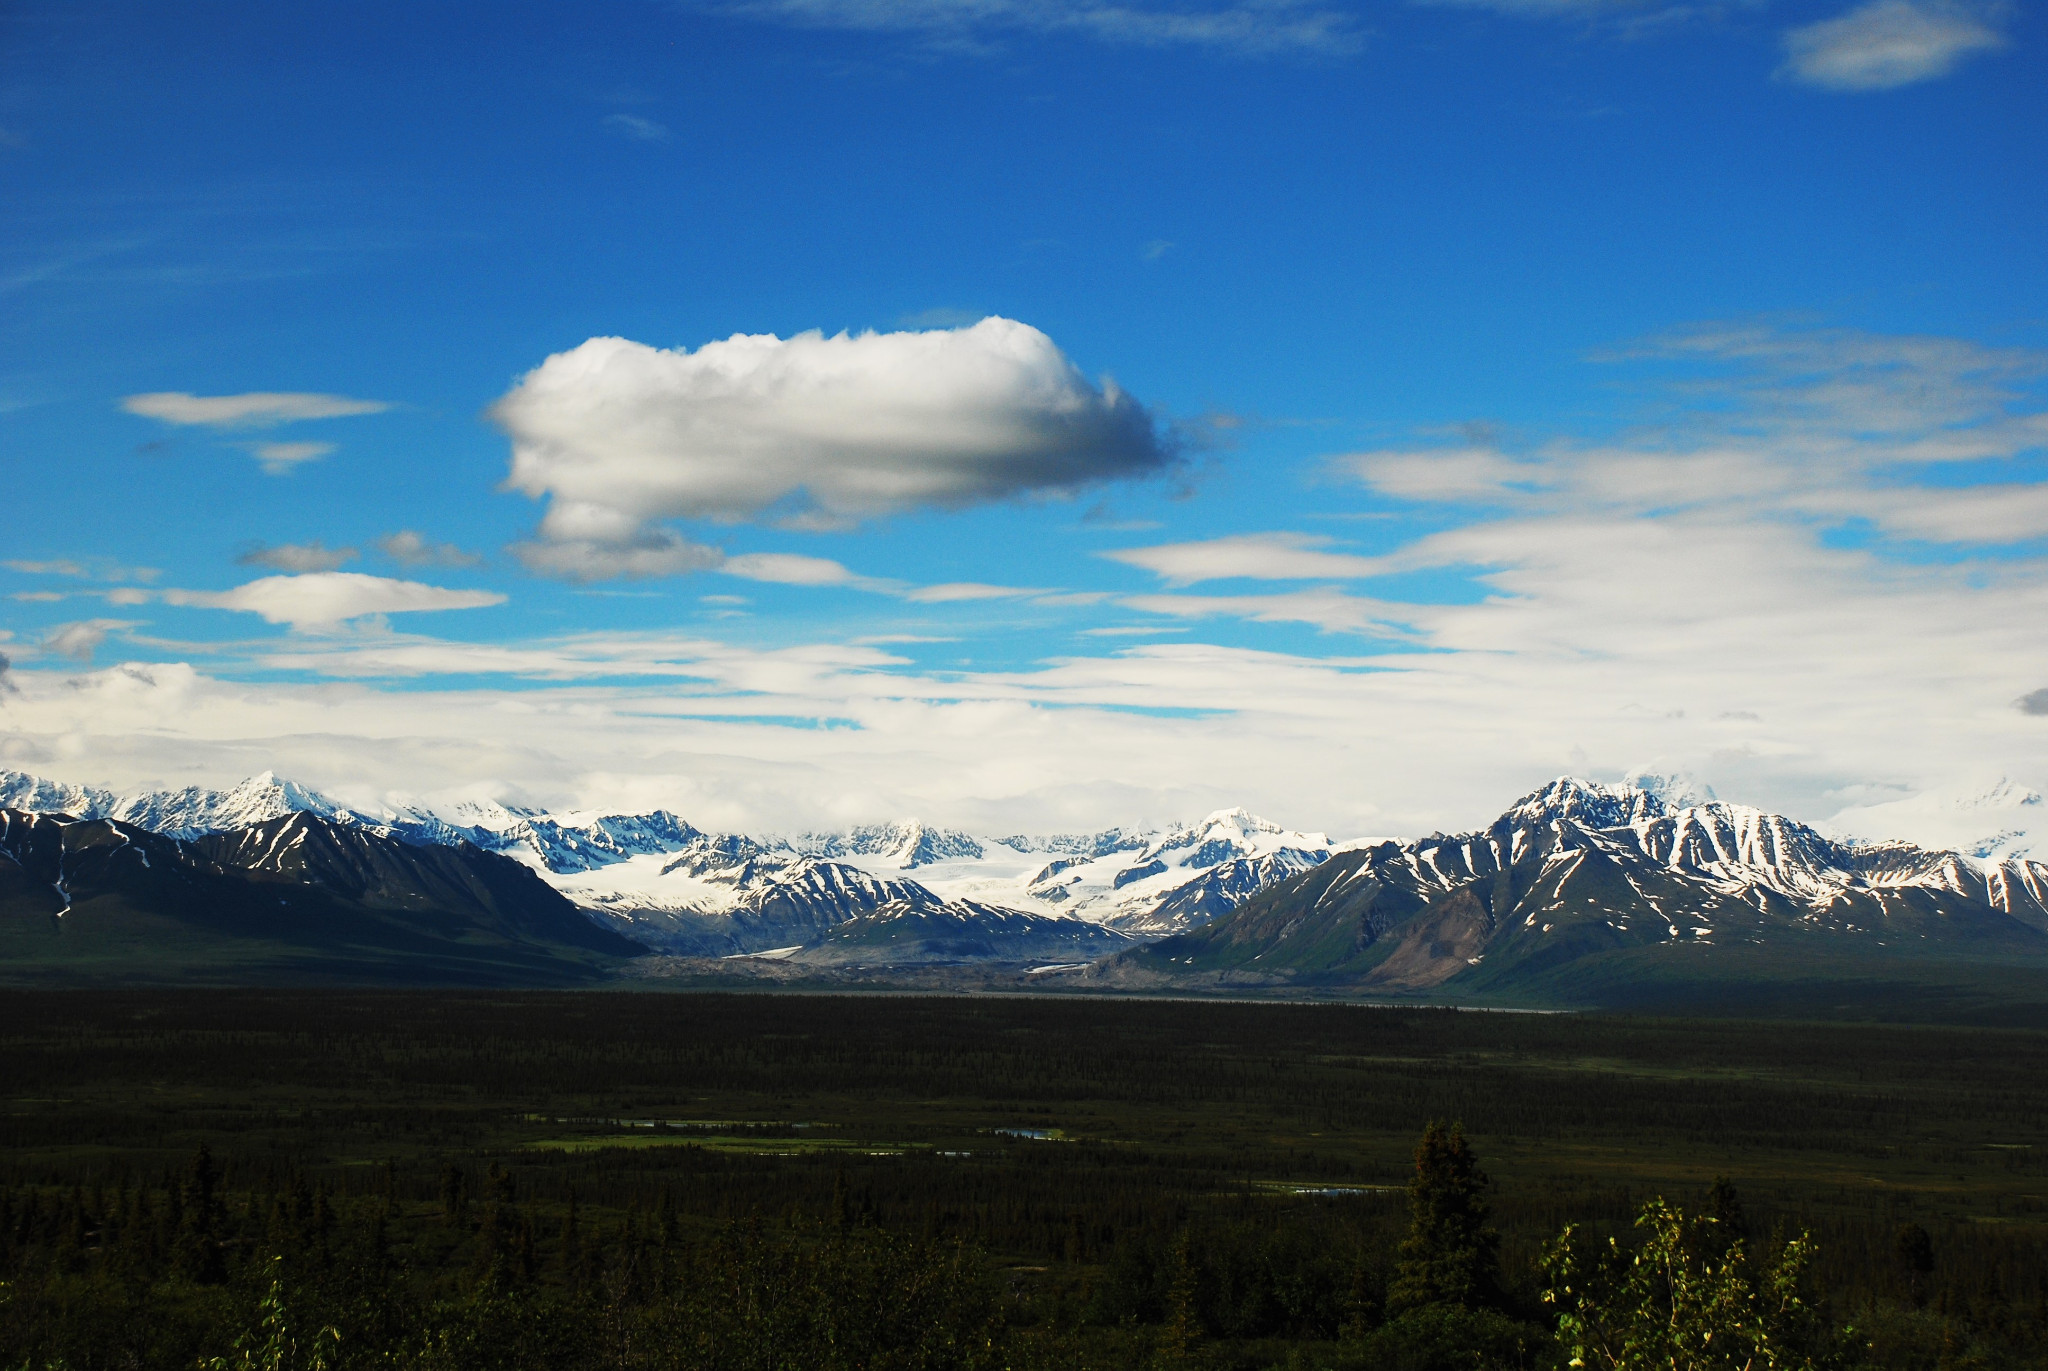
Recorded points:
(1388, 407)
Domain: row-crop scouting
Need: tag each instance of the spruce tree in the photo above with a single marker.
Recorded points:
(1450, 1256)
(197, 1235)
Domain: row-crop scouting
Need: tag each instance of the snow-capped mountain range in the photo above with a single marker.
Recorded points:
(880, 891)
(1588, 892)
(658, 879)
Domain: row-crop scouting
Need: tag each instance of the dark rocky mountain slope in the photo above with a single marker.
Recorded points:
(295, 897)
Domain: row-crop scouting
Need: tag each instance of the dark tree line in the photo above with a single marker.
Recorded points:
(185, 1272)
(581, 1180)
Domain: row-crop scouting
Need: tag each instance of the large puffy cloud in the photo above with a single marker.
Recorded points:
(253, 409)
(810, 430)
(1888, 43)
(323, 599)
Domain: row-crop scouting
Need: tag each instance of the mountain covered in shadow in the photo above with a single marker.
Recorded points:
(291, 898)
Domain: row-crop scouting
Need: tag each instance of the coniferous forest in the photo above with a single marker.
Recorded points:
(487, 1180)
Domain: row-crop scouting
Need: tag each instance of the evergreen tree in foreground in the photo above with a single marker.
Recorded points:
(1450, 1256)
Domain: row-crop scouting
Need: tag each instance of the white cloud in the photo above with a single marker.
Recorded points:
(281, 459)
(55, 568)
(323, 599)
(809, 431)
(256, 409)
(408, 548)
(793, 569)
(296, 557)
(98, 571)
(1252, 556)
(1332, 611)
(633, 554)
(1263, 28)
(954, 591)
(1452, 474)
(1888, 43)
(80, 640)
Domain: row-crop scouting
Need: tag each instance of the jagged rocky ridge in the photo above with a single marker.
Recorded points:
(1575, 871)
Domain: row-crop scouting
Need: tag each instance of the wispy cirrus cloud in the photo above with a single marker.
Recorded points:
(1250, 28)
(638, 127)
(1890, 43)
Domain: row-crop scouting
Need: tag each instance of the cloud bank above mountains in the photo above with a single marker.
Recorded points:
(1810, 570)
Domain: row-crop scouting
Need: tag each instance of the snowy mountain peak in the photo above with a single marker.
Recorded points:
(35, 795)
(1675, 790)
(904, 844)
(1240, 821)
(1591, 804)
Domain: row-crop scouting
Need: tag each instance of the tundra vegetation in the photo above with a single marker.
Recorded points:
(580, 1180)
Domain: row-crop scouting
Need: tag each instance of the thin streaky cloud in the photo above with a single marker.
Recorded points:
(98, 571)
(1277, 29)
(254, 409)
(1250, 556)
(954, 591)
(281, 459)
(637, 127)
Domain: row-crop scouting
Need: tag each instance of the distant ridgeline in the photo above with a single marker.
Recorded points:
(1579, 895)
